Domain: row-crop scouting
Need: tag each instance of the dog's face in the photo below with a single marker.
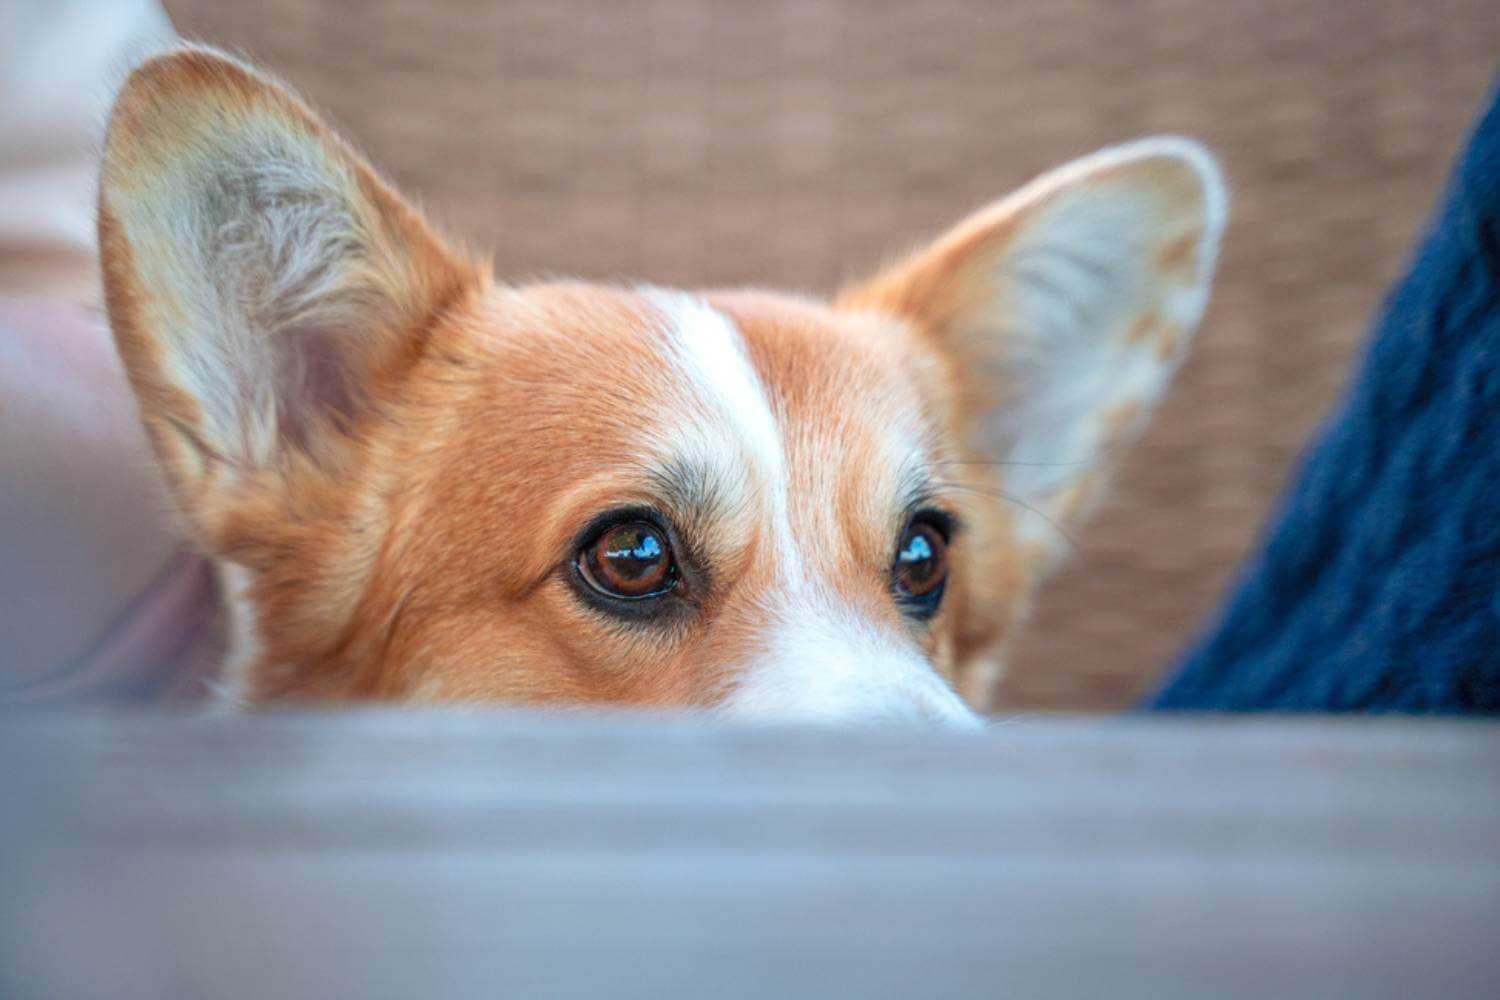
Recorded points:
(422, 485)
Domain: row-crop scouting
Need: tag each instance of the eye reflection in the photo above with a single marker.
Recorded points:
(918, 549)
(630, 561)
(645, 547)
(921, 565)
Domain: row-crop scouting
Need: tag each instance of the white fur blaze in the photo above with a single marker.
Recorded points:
(823, 664)
(711, 354)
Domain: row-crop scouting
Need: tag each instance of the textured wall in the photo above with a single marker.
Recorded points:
(799, 143)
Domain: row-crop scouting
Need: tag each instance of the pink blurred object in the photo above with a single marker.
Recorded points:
(96, 598)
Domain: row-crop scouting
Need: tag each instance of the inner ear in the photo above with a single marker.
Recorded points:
(1064, 310)
(260, 278)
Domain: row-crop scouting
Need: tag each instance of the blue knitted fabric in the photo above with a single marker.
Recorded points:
(1377, 587)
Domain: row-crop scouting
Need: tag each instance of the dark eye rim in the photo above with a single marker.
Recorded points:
(923, 606)
(638, 608)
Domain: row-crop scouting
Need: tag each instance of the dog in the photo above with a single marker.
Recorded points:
(421, 485)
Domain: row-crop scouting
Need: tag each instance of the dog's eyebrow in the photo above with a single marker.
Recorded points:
(693, 492)
(915, 487)
(696, 493)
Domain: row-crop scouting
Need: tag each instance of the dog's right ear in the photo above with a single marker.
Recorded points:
(262, 282)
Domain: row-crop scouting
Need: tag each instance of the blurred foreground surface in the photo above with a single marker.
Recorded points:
(425, 854)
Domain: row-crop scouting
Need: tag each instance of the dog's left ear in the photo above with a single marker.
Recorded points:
(1062, 312)
(263, 283)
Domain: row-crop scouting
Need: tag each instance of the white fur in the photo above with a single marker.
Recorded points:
(712, 355)
(821, 663)
(244, 642)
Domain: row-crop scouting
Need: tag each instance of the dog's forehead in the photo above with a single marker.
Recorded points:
(827, 367)
(854, 391)
(661, 370)
(608, 395)
(834, 397)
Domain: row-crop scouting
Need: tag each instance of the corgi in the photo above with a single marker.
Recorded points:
(421, 485)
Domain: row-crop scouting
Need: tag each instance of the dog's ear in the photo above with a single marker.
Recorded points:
(1062, 312)
(261, 280)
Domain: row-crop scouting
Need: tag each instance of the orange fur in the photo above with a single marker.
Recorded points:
(416, 544)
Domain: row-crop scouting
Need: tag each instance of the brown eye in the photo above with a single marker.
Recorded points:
(631, 561)
(921, 562)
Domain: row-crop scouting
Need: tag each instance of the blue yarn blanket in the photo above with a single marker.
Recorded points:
(1377, 584)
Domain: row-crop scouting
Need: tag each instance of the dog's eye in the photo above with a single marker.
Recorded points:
(630, 561)
(921, 566)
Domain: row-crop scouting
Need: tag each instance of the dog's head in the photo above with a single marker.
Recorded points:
(423, 485)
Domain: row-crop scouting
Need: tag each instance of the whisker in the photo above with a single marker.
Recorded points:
(1001, 465)
(1072, 544)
